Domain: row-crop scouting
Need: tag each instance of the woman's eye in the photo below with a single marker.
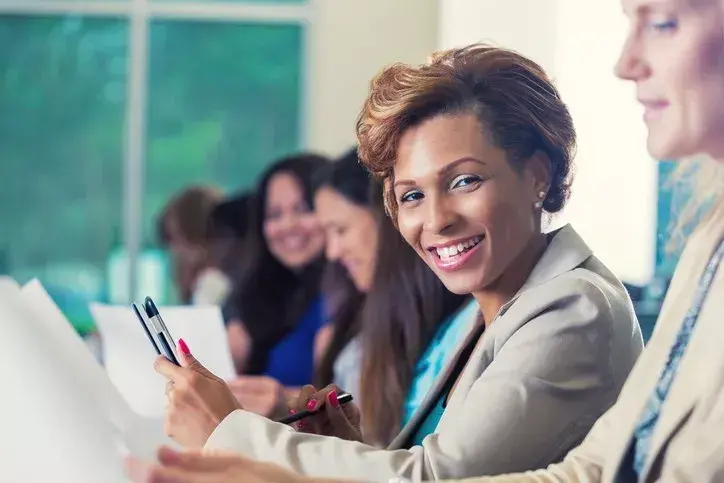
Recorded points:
(663, 26)
(464, 180)
(411, 196)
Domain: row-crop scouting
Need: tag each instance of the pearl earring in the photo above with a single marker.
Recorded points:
(541, 196)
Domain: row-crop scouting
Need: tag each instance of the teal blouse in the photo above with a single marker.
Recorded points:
(431, 363)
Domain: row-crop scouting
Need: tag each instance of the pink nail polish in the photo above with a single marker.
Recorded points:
(312, 404)
(333, 401)
(184, 348)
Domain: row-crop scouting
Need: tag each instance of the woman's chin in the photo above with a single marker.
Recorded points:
(460, 284)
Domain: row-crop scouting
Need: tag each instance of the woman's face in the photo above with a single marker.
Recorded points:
(181, 249)
(352, 235)
(675, 55)
(292, 232)
(461, 205)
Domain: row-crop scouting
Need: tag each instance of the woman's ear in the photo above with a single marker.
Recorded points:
(540, 167)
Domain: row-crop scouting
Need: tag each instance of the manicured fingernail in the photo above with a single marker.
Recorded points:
(292, 411)
(332, 397)
(312, 404)
(184, 348)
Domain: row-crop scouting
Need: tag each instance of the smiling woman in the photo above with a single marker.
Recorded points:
(470, 162)
(468, 211)
(473, 147)
(276, 310)
(681, 371)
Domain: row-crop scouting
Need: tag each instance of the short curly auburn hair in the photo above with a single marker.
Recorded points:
(511, 96)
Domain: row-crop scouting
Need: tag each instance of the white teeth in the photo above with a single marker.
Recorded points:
(450, 251)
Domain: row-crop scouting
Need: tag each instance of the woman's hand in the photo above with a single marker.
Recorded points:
(174, 467)
(197, 400)
(261, 395)
(330, 418)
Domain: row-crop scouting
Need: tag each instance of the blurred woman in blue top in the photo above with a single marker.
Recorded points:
(397, 324)
(276, 312)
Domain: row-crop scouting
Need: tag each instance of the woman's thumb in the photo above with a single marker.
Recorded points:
(188, 360)
(335, 412)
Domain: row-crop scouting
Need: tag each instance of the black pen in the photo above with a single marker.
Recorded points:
(343, 398)
(159, 327)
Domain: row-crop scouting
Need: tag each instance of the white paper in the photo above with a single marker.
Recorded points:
(8, 284)
(128, 355)
(82, 363)
(141, 436)
(62, 419)
(51, 430)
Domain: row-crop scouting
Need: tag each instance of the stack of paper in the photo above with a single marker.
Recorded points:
(128, 355)
(61, 417)
(8, 284)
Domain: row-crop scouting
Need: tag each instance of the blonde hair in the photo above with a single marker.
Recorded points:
(698, 185)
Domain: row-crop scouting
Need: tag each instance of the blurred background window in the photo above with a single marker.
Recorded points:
(109, 108)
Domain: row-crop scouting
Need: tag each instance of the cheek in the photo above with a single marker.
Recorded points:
(696, 77)
(507, 220)
(310, 224)
(367, 243)
(711, 78)
(273, 232)
(410, 228)
(489, 206)
(270, 230)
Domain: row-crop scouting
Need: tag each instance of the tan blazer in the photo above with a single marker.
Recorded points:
(551, 363)
(688, 441)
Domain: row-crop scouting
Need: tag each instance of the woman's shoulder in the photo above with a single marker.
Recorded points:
(580, 313)
(315, 317)
(585, 298)
(569, 269)
(591, 282)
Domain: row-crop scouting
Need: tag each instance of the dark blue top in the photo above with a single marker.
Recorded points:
(291, 360)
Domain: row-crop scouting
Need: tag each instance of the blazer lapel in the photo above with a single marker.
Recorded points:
(566, 250)
(416, 420)
(704, 348)
(433, 395)
(643, 380)
(691, 377)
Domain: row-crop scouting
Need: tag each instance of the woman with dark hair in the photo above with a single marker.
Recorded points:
(276, 310)
(404, 315)
(475, 148)
(342, 202)
(186, 229)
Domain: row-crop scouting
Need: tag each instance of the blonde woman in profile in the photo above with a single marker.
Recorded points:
(667, 424)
